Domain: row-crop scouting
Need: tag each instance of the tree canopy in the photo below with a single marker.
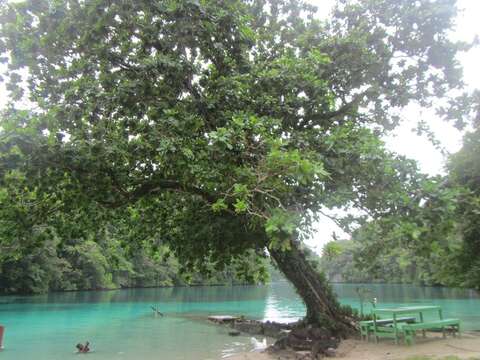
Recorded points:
(430, 241)
(222, 126)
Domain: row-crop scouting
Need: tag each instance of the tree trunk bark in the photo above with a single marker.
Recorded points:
(323, 308)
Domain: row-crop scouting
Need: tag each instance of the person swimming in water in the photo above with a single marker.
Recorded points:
(83, 348)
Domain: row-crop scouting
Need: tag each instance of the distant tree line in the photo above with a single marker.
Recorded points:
(93, 266)
(105, 261)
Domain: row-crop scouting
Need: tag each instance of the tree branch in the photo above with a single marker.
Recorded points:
(161, 185)
(318, 119)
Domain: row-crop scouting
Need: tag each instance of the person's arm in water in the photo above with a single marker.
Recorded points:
(155, 310)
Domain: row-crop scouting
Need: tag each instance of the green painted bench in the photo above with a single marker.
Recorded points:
(366, 327)
(409, 330)
(395, 331)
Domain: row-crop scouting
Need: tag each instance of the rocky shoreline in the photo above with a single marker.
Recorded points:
(292, 341)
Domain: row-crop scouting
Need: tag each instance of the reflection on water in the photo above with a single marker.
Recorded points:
(173, 294)
(120, 324)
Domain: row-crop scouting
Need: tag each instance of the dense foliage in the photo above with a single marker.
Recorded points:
(220, 127)
(107, 260)
(433, 243)
(93, 266)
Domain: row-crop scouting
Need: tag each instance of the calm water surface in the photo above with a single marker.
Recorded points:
(120, 324)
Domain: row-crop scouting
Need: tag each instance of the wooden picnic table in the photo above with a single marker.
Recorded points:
(393, 331)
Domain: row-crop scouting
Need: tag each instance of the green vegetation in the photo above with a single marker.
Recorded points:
(104, 264)
(219, 129)
(429, 241)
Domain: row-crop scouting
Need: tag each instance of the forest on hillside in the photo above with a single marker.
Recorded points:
(92, 265)
(105, 259)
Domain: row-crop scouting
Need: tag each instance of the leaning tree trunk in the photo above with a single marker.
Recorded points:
(323, 308)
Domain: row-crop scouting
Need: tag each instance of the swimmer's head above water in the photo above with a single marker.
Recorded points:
(83, 348)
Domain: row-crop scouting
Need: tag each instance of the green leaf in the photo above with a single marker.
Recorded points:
(240, 206)
(219, 205)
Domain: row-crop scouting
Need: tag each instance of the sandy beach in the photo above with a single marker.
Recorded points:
(465, 347)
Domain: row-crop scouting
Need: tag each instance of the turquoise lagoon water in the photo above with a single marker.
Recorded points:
(120, 324)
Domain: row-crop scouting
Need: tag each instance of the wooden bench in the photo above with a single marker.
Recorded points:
(410, 330)
(366, 327)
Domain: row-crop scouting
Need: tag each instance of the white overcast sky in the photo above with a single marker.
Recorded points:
(404, 141)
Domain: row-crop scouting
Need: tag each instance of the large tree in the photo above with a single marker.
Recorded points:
(228, 125)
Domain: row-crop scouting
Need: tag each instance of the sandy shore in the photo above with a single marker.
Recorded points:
(465, 347)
